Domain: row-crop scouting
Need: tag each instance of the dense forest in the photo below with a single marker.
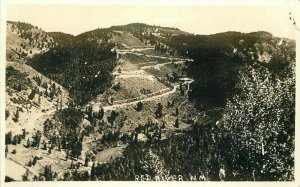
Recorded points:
(84, 67)
(67, 123)
(61, 38)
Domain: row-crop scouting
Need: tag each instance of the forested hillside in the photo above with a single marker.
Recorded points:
(83, 68)
(219, 59)
(61, 38)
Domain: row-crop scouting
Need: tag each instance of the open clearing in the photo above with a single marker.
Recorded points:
(108, 154)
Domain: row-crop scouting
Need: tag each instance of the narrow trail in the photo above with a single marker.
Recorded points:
(135, 73)
(158, 66)
(122, 51)
(136, 51)
(150, 77)
(126, 104)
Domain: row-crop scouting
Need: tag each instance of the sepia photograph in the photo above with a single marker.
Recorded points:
(133, 92)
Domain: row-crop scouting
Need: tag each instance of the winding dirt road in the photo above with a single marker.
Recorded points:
(140, 73)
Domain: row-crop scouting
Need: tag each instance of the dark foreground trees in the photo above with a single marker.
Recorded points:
(258, 126)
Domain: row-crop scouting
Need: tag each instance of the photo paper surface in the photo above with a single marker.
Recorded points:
(149, 92)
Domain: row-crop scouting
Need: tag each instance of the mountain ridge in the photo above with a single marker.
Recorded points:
(139, 25)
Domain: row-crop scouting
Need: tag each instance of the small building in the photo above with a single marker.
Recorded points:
(185, 85)
(186, 82)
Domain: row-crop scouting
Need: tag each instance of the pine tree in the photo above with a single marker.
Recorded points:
(6, 151)
(93, 172)
(101, 113)
(15, 140)
(16, 118)
(139, 106)
(86, 162)
(19, 139)
(177, 123)
(59, 145)
(36, 138)
(45, 146)
(158, 111)
(8, 138)
(6, 114)
(23, 133)
(34, 160)
(48, 173)
(63, 142)
(29, 163)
